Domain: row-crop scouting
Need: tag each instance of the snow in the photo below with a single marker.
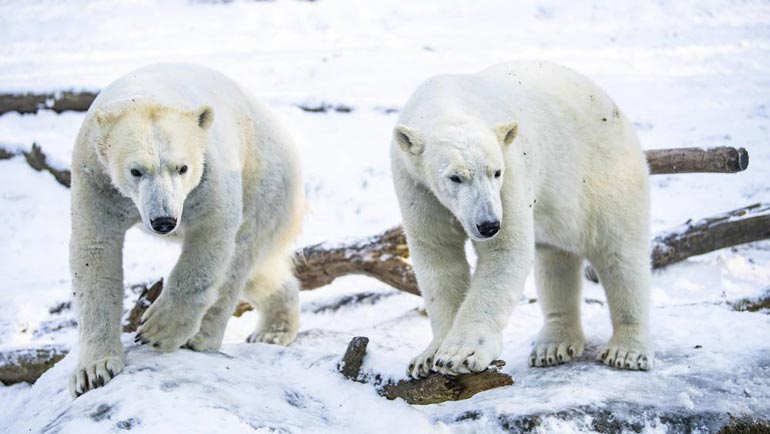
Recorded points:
(688, 74)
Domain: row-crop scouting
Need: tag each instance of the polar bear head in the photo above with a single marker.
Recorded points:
(154, 155)
(463, 165)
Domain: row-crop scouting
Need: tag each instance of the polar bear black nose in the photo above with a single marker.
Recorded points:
(163, 225)
(488, 229)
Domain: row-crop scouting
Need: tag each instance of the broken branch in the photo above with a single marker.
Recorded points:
(351, 363)
(432, 389)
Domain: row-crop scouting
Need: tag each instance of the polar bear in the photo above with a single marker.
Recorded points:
(535, 164)
(187, 153)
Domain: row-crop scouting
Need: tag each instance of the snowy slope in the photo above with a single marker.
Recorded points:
(688, 74)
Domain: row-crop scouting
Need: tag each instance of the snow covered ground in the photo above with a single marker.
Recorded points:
(688, 73)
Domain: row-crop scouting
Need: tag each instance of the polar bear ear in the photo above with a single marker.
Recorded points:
(407, 139)
(105, 118)
(205, 116)
(507, 132)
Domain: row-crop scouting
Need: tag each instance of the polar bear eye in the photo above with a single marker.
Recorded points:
(183, 170)
(456, 179)
(497, 174)
(136, 173)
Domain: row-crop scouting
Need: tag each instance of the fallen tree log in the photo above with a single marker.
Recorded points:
(432, 389)
(27, 365)
(723, 159)
(58, 102)
(740, 226)
(382, 256)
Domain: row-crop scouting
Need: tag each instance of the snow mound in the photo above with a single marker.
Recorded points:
(704, 375)
(246, 388)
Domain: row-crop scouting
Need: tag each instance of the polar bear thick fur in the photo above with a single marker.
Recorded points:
(184, 151)
(535, 164)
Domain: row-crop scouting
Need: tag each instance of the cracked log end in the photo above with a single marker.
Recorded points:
(743, 159)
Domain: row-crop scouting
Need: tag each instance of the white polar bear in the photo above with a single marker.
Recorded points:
(183, 150)
(529, 160)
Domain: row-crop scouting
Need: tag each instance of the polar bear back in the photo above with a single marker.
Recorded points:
(175, 85)
(580, 106)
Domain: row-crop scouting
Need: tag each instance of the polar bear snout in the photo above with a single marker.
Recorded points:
(163, 225)
(488, 229)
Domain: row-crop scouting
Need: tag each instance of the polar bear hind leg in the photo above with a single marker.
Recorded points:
(622, 261)
(626, 279)
(274, 291)
(558, 280)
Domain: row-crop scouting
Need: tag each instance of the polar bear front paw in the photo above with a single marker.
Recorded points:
(461, 353)
(629, 348)
(94, 374)
(167, 325)
(422, 365)
(557, 345)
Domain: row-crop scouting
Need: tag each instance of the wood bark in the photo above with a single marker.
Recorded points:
(722, 159)
(432, 389)
(58, 102)
(740, 226)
